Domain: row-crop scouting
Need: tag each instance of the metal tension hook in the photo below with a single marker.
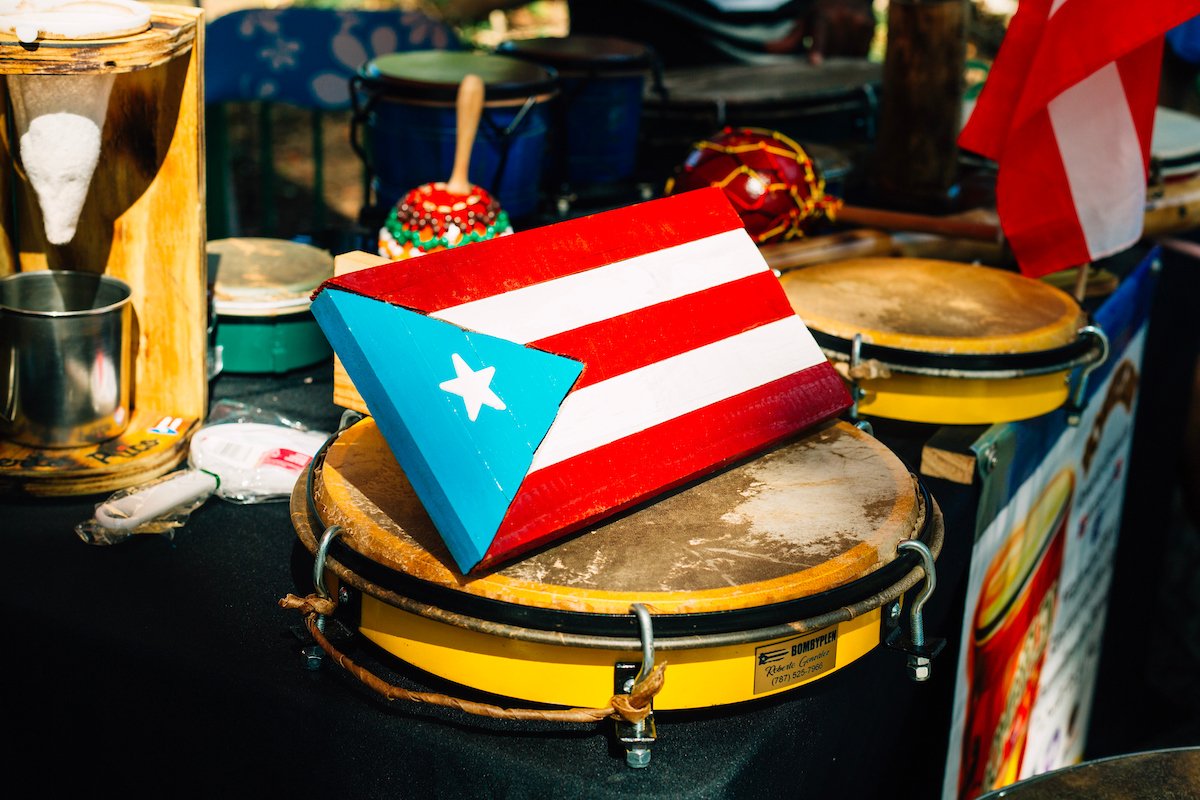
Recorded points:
(638, 736)
(313, 654)
(1075, 404)
(921, 652)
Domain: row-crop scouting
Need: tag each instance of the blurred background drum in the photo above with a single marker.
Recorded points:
(836, 103)
(946, 343)
(404, 125)
(602, 80)
(1174, 146)
(761, 579)
(261, 317)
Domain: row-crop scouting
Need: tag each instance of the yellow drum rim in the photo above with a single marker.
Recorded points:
(583, 677)
(962, 401)
(550, 667)
(827, 297)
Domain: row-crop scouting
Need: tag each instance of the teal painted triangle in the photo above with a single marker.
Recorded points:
(466, 472)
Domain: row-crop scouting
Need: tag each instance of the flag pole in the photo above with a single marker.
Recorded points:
(1081, 281)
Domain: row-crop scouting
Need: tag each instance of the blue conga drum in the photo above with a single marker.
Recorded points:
(602, 80)
(404, 124)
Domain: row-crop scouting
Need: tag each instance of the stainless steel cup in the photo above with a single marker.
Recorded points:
(65, 358)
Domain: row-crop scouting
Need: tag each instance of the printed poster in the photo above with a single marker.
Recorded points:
(1040, 574)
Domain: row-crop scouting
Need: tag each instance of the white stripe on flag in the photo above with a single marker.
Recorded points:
(639, 399)
(545, 309)
(1102, 155)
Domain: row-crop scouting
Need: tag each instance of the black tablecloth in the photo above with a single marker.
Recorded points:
(167, 666)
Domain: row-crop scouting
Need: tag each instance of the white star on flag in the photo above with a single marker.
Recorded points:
(473, 387)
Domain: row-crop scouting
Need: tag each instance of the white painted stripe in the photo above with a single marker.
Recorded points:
(1102, 155)
(634, 401)
(1055, 6)
(544, 309)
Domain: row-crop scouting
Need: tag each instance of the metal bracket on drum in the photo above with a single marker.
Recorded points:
(1075, 402)
(857, 392)
(313, 654)
(637, 737)
(921, 651)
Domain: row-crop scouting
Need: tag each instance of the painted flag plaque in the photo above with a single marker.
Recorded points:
(535, 383)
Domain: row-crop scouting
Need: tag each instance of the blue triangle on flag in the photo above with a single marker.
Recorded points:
(423, 380)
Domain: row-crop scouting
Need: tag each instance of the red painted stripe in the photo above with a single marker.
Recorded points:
(615, 346)
(1034, 202)
(449, 278)
(567, 496)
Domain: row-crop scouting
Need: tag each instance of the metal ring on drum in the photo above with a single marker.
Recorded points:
(947, 343)
(762, 578)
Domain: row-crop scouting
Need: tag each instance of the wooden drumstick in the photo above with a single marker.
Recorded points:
(1174, 208)
(950, 227)
(857, 243)
(469, 108)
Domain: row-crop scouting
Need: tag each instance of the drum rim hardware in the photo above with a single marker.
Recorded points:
(864, 361)
(685, 631)
(635, 686)
(1089, 348)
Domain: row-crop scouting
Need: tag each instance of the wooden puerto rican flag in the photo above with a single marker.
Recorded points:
(532, 384)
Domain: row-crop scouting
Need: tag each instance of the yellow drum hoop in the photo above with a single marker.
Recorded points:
(577, 669)
(955, 401)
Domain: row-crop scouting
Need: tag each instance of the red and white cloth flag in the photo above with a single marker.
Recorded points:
(1067, 113)
(534, 383)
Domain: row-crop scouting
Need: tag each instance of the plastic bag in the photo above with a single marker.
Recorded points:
(242, 454)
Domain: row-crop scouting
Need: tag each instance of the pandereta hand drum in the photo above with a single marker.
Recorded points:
(407, 103)
(759, 579)
(261, 297)
(835, 103)
(601, 82)
(946, 343)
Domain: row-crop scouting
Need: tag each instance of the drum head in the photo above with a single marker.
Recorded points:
(566, 53)
(265, 277)
(933, 306)
(766, 85)
(821, 512)
(1175, 144)
(434, 75)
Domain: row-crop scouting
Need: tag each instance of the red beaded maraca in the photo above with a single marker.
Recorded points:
(439, 216)
(771, 182)
(779, 192)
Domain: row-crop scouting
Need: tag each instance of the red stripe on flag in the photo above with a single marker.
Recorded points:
(1140, 72)
(620, 344)
(567, 496)
(1034, 202)
(541, 254)
(1083, 36)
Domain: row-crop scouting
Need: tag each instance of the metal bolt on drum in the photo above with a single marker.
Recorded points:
(637, 737)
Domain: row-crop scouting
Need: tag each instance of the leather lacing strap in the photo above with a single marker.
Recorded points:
(632, 707)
